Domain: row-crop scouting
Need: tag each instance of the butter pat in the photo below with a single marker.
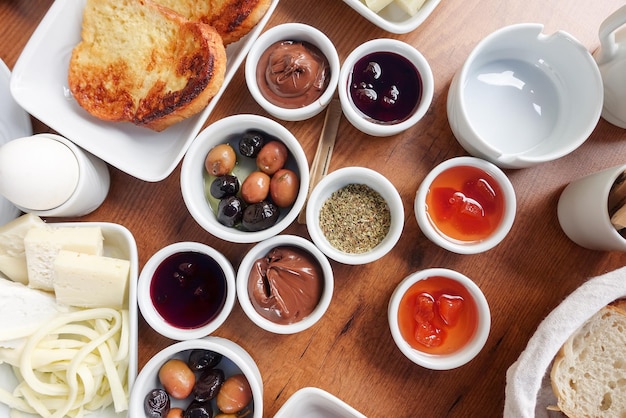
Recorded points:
(43, 244)
(12, 253)
(410, 6)
(90, 281)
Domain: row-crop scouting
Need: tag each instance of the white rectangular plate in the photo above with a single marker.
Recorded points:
(392, 18)
(39, 85)
(118, 243)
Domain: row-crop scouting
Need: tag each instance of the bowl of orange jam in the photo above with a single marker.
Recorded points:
(439, 318)
(466, 205)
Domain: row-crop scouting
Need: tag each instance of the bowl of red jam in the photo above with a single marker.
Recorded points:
(439, 318)
(385, 87)
(186, 290)
(466, 205)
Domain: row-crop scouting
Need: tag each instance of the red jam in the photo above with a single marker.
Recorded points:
(437, 315)
(465, 204)
(385, 86)
(188, 289)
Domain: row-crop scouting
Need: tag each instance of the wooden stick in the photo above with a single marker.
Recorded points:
(325, 145)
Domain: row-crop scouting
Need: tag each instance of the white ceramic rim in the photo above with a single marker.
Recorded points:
(149, 312)
(484, 44)
(355, 117)
(338, 179)
(470, 247)
(260, 250)
(394, 26)
(316, 397)
(233, 351)
(449, 361)
(295, 32)
(192, 183)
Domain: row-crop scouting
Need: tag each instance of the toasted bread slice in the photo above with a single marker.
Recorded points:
(588, 374)
(141, 62)
(232, 19)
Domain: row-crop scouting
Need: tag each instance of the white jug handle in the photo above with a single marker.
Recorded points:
(608, 47)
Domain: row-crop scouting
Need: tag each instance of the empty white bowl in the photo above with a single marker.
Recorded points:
(424, 84)
(451, 359)
(494, 175)
(195, 191)
(313, 402)
(296, 32)
(522, 97)
(235, 360)
(147, 291)
(261, 250)
(338, 179)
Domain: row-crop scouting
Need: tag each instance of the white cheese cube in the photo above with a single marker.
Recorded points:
(12, 255)
(90, 281)
(377, 5)
(410, 6)
(43, 244)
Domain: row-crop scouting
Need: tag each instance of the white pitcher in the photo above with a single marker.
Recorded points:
(611, 59)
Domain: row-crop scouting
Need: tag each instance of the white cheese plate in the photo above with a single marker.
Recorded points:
(392, 18)
(39, 85)
(14, 123)
(118, 243)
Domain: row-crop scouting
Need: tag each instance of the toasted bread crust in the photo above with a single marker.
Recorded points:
(166, 70)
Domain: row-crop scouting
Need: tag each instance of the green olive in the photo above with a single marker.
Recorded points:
(234, 395)
(220, 160)
(177, 378)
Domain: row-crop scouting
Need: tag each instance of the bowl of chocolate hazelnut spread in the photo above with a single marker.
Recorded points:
(285, 284)
(292, 71)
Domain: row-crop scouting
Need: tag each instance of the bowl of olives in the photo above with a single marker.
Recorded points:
(208, 377)
(245, 178)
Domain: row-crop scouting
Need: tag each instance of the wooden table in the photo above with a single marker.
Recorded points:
(350, 352)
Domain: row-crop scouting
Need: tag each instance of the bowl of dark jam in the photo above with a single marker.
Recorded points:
(385, 87)
(186, 290)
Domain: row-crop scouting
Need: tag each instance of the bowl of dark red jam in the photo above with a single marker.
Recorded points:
(186, 290)
(466, 205)
(385, 87)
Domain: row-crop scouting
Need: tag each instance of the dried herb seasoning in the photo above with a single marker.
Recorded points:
(355, 218)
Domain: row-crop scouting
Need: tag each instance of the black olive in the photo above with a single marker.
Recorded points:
(156, 404)
(203, 359)
(251, 143)
(199, 410)
(260, 216)
(222, 186)
(208, 384)
(230, 211)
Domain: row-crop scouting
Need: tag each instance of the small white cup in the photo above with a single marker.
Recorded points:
(48, 175)
(466, 247)
(583, 211)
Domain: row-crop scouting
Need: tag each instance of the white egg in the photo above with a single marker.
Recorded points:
(37, 172)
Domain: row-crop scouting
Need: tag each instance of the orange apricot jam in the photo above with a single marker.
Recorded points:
(437, 315)
(465, 203)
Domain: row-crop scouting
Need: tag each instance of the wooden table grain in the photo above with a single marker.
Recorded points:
(350, 352)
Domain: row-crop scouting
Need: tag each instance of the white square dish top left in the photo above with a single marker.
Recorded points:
(39, 84)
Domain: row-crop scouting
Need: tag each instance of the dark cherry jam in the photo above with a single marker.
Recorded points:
(188, 289)
(385, 86)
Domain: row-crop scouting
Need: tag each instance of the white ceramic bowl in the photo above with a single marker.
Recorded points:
(236, 360)
(339, 179)
(192, 178)
(260, 250)
(522, 97)
(441, 361)
(363, 122)
(292, 32)
(150, 312)
(313, 402)
(466, 247)
(392, 18)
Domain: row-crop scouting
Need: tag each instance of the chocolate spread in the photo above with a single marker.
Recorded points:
(285, 285)
(292, 74)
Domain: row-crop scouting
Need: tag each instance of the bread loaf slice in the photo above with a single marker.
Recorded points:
(589, 373)
(141, 62)
(232, 19)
